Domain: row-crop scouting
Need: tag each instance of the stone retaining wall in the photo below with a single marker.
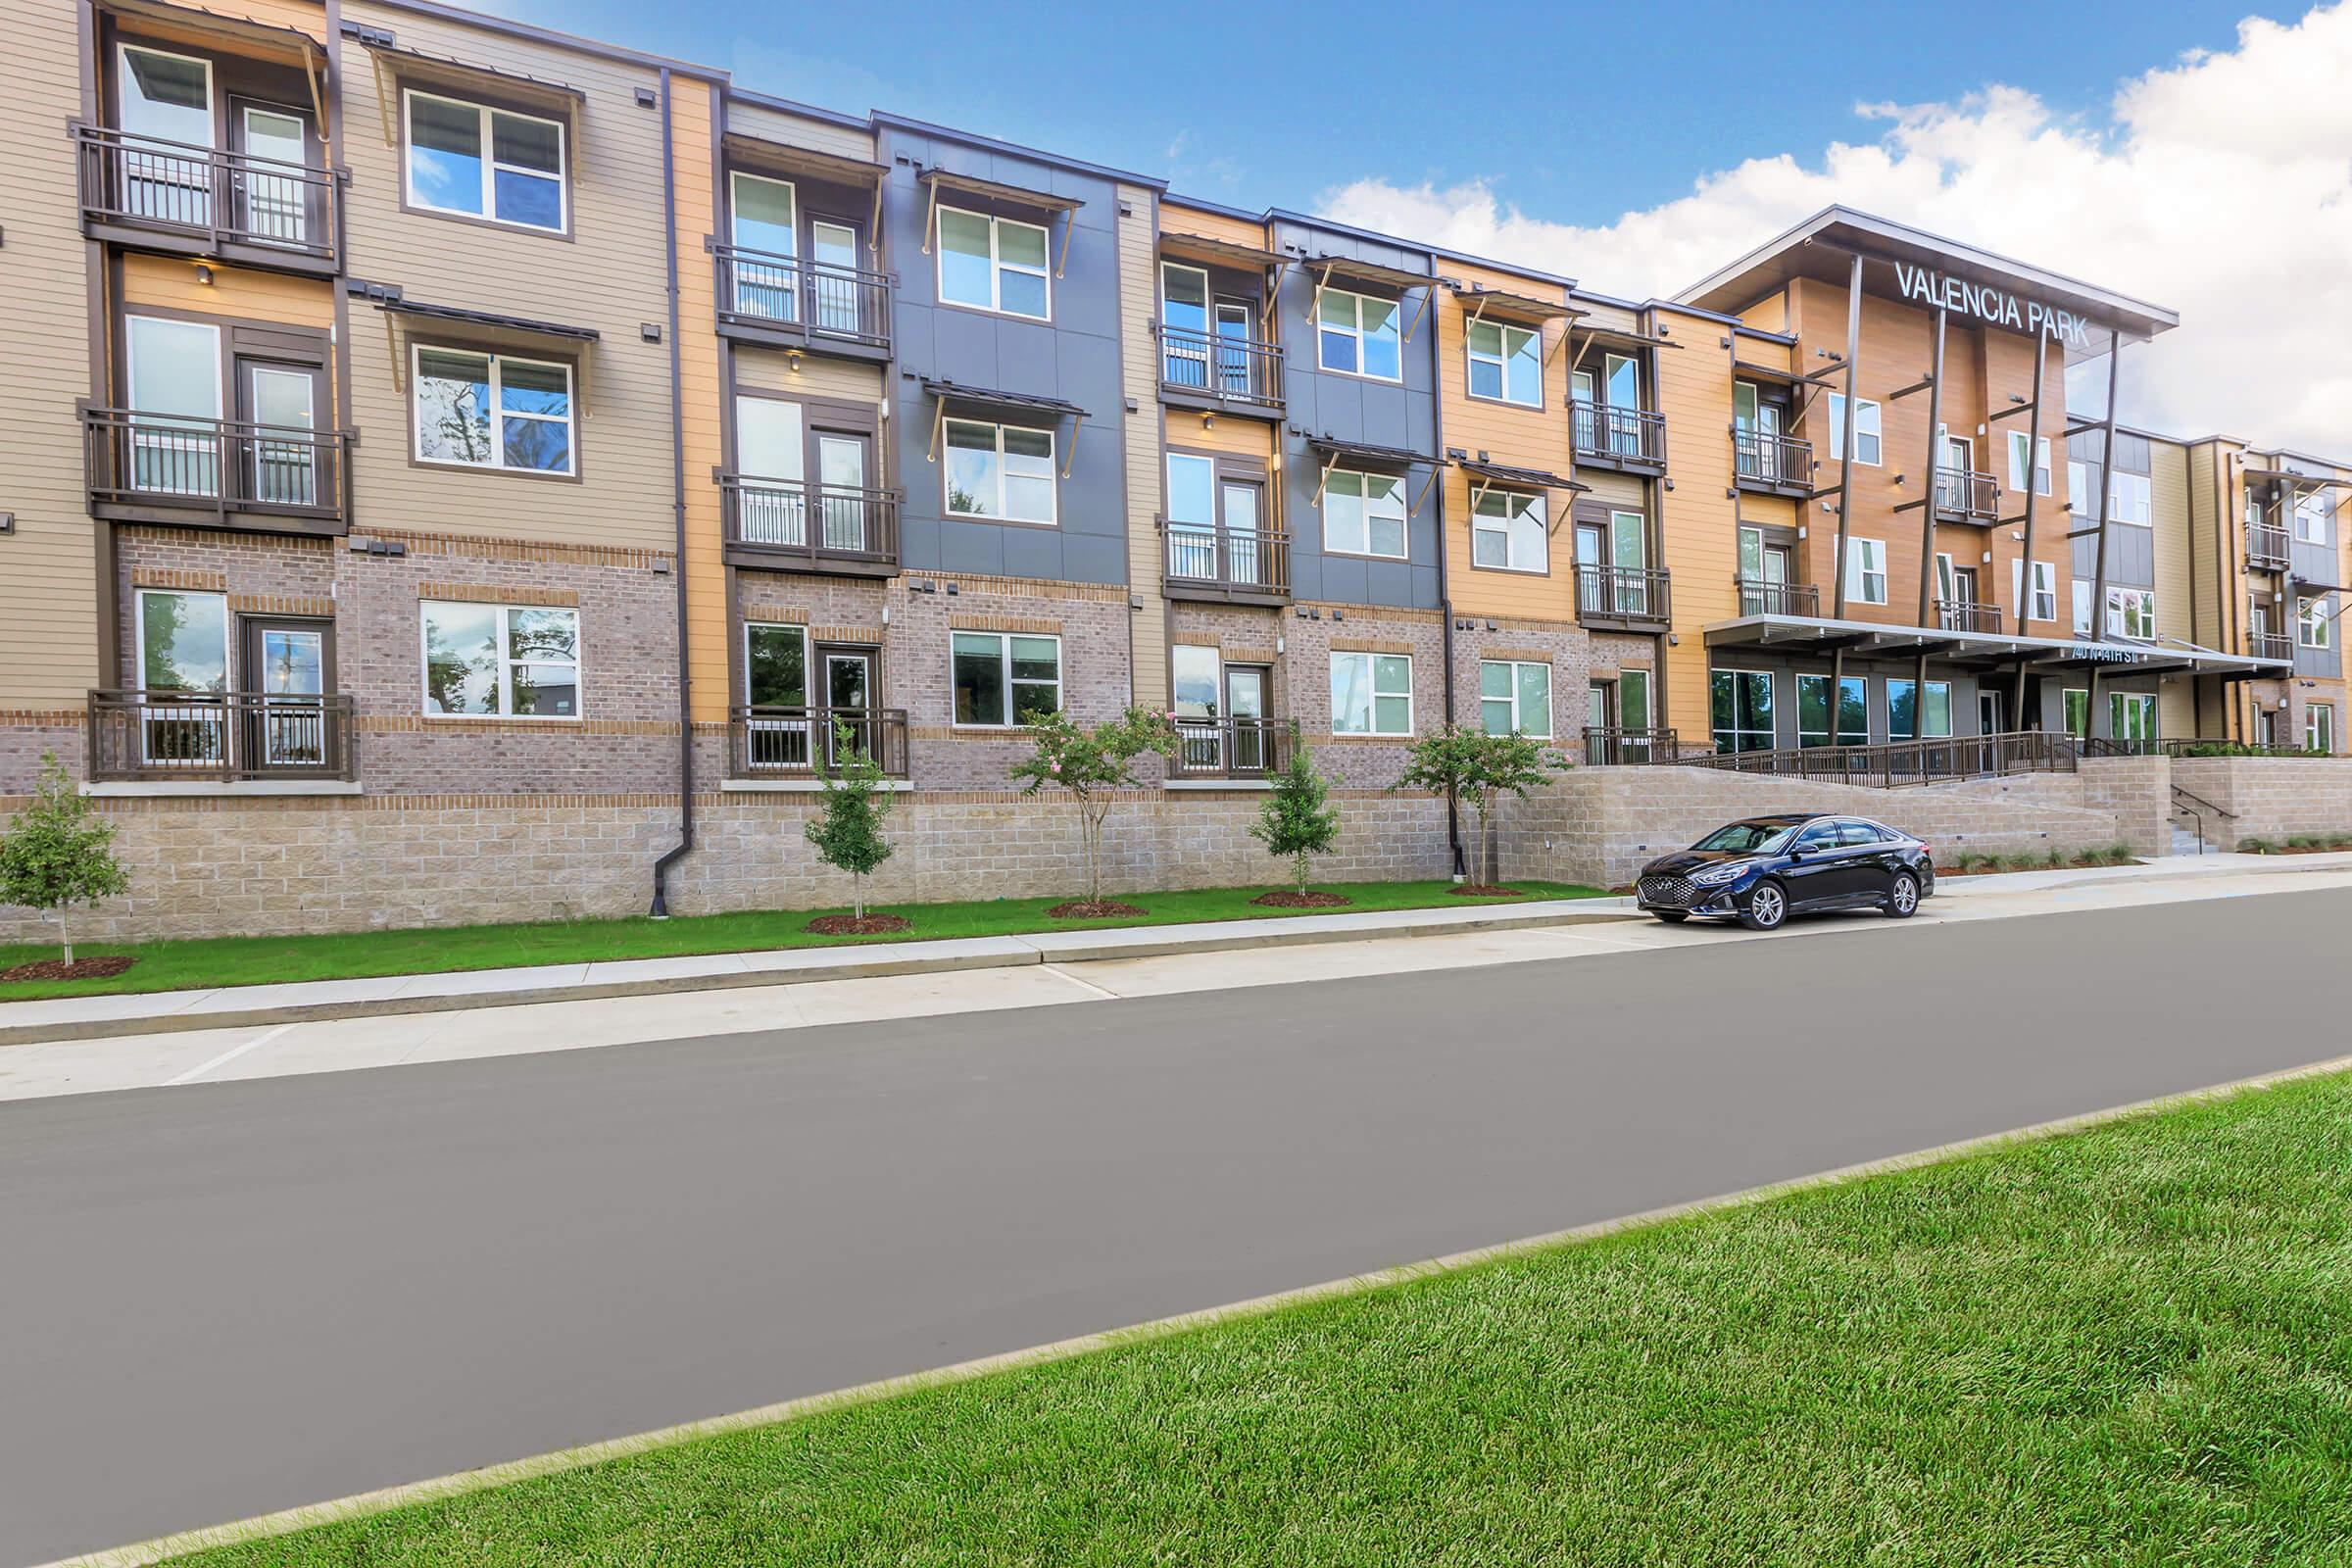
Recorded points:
(2270, 796)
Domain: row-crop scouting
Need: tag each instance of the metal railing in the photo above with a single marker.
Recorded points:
(2271, 645)
(1232, 748)
(810, 519)
(809, 298)
(220, 465)
(207, 194)
(2196, 807)
(1967, 493)
(1965, 615)
(1621, 593)
(1900, 762)
(791, 742)
(1256, 560)
(1629, 748)
(1605, 431)
(2179, 746)
(218, 736)
(1772, 459)
(2267, 547)
(1779, 599)
(1236, 369)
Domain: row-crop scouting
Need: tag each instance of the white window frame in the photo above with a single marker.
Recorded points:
(2314, 517)
(2041, 476)
(1515, 665)
(2082, 623)
(1501, 361)
(2129, 492)
(1372, 685)
(498, 414)
(2121, 604)
(2043, 604)
(1357, 333)
(490, 165)
(1870, 427)
(2077, 487)
(2313, 739)
(1858, 573)
(1479, 522)
(1002, 514)
(506, 666)
(229, 635)
(1405, 509)
(2314, 626)
(997, 264)
(1004, 641)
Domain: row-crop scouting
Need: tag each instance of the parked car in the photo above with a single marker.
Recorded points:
(1762, 871)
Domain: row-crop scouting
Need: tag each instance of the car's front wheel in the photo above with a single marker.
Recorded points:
(1902, 899)
(1672, 916)
(1767, 908)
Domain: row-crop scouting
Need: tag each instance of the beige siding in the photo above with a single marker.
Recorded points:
(798, 130)
(2206, 586)
(2174, 595)
(1138, 306)
(818, 376)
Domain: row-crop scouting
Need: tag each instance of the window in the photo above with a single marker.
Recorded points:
(1741, 707)
(1633, 698)
(2319, 727)
(2078, 710)
(1813, 711)
(1866, 570)
(2017, 464)
(2130, 500)
(999, 470)
(479, 162)
(488, 410)
(1866, 429)
(1001, 679)
(1515, 697)
(2077, 488)
(1371, 693)
(2045, 604)
(2132, 716)
(1363, 514)
(1506, 364)
(2311, 511)
(2313, 623)
(2132, 613)
(994, 263)
(502, 660)
(1507, 532)
(775, 665)
(1902, 710)
(183, 641)
(2081, 607)
(1357, 334)
(1195, 676)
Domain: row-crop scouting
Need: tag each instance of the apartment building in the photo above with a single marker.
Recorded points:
(448, 445)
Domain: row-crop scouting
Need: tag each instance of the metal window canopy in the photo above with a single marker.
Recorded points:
(1373, 272)
(179, 23)
(1502, 475)
(946, 392)
(1064, 208)
(1227, 252)
(1801, 633)
(394, 64)
(486, 329)
(1501, 305)
(756, 155)
(1380, 458)
(1745, 370)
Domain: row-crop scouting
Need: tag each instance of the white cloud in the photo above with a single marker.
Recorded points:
(2222, 188)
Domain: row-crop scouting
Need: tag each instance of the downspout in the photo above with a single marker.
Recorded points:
(1436, 408)
(677, 454)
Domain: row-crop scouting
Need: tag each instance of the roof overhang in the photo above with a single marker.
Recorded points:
(1925, 270)
(1514, 479)
(1366, 452)
(757, 155)
(1798, 633)
(1500, 305)
(997, 400)
(1361, 271)
(395, 67)
(941, 179)
(461, 329)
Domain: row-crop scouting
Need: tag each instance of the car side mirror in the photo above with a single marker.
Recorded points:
(1798, 852)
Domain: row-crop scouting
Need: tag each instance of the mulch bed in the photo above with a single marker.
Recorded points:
(1287, 900)
(1095, 910)
(1475, 890)
(849, 925)
(79, 969)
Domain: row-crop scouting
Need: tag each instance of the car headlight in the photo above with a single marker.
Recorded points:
(1716, 876)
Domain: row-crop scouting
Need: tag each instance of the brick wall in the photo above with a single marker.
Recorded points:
(1358, 761)
(2270, 796)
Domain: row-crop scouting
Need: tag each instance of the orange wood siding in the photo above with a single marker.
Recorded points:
(1507, 433)
(1700, 520)
(709, 640)
(170, 283)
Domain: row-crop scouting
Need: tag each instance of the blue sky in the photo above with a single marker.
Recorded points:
(1598, 109)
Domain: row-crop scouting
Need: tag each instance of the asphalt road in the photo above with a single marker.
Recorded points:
(221, 1301)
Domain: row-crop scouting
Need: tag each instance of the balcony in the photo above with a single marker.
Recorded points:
(790, 302)
(1220, 374)
(1779, 599)
(1610, 437)
(1776, 464)
(1962, 615)
(1630, 748)
(1242, 566)
(2271, 645)
(1231, 748)
(218, 737)
(180, 199)
(1964, 495)
(1622, 598)
(2267, 547)
(173, 468)
(802, 525)
(788, 742)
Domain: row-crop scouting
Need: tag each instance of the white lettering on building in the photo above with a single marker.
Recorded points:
(1923, 286)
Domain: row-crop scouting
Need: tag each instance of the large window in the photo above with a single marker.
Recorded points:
(2132, 716)
(2081, 607)
(2311, 511)
(1813, 711)
(1357, 334)
(1371, 693)
(2132, 613)
(2077, 700)
(502, 660)
(1004, 679)
(2043, 604)
(994, 263)
(183, 641)
(999, 470)
(490, 410)
(775, 664)
(2319, 728)
(1741, 707)
(1866, 570)
(1507, 532)
(2077, 488)
(2017, 462)
(1867, 445)
(1363, 514)
(1515, 697)
(1903, 714)
(486, 163)
(1506, 364)
(2130, 499)
(2313, 623)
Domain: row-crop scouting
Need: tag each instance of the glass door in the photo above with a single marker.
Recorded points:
(287, 662)
(1633, 715)
(842, 494)
(174, 378)
(274, 195)
(1583, 417)
(833, 282)
(849, 675)
(1246, 551)
(282, 402)
(2131, 719)
(760, 215)
(1629, 553)
(1622, 380)
(1234, 364)
(165, 110)
(772, 501)
(1184, 326)
(1989, 718)
(1246, 687)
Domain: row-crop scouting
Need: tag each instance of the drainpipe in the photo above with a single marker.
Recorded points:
(1437, 409)
(677, 452)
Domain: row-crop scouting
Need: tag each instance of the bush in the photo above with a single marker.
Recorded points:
(59, 853)
(1296, 824)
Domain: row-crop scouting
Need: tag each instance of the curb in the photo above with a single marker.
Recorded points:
(1073, 948)
(361, 1505)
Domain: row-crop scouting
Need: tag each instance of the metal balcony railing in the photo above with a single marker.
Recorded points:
(1621, 593)
(2267, 547)
(2271, 645)
(1629, 748)
(1964, 615)
(795, 296)
(1250, 560)
(1966, 495)
(219, 737)
(209, 198)
(135, 459)
(811, 521)
(1774, 460)
(1779, 599)
(1605, 432)
(769, 742)
(1231, 369)
(1913, 761)
(1232, 748)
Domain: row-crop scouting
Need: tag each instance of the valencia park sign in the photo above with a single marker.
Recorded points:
(1923, 285)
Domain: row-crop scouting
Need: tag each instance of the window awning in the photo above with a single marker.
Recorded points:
(266, 39)
(1802, 633)
(1064, 208)
(756, 155)
(2296, 482)
(486, 329)
(1366, 452)
(1347, 267)
(394, 64)
(1743, 370)
(1505, 475)
(946, 392)
(1500, 305)
(1223, 252)
(1592, 336)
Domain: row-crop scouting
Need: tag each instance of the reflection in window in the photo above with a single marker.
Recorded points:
(456, 392)
(505, 660)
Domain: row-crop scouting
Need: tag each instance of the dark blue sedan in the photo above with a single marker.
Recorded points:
(1762, 871)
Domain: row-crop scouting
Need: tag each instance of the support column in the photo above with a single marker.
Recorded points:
(1845, 465)
(2099, 581)
(1927, 499)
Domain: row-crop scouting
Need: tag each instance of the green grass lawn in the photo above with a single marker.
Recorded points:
(2127, 1345)
(255, 960)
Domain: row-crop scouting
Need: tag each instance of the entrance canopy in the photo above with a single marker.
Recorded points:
(1803, 634)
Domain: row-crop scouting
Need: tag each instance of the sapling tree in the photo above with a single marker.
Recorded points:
(59, 853)
(1478, 769)
(1296, 824)
(847, 831)
(1092, 763)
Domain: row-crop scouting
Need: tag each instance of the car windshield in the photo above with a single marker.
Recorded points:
(1749, 838)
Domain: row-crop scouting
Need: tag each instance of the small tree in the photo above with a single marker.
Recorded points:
(1296, 823)
(1476, 770)
(1090, 763)
(58, 853)
(847, 832)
